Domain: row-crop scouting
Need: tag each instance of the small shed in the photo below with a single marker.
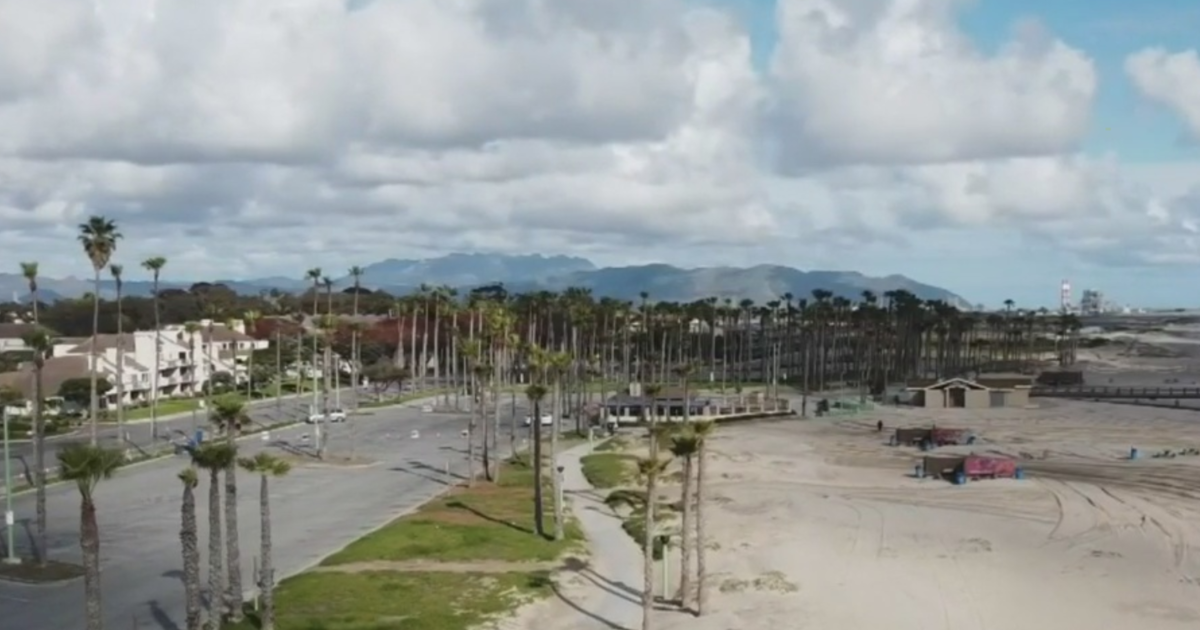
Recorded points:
(964, 393)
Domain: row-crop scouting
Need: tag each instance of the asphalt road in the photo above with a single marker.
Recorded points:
(139, 434)
(315, 511)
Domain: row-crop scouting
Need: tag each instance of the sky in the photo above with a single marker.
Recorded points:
(992, 147)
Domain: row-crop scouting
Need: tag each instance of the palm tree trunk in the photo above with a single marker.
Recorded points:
(539, 505)
(39, 460)
(472, 427)
(189, 541)
(157, 363)
(701, 567)
(120, 373)
(555, 478)
(648, 537)
(233, 563)
(89, 543)
(266, 568)
(95, 402)
(685, 526)
(216, 571)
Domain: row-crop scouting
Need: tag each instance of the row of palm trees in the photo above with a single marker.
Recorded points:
(87, 466)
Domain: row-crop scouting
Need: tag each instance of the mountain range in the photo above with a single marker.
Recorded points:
(522, 273)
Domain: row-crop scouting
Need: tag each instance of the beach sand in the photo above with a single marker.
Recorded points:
(819, 524)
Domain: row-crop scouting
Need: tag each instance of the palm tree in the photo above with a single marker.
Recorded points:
(191, 329)
(250, 318)
(557, 363)
(116, 271)
(702, 431)
(155, 266)
(356, 273)
(684, 446)
(314, 275)
(650, 468)
(87, 466)
(41, 344)
(266, 466)
(189, 541)
(30, 271)
(99, 238)
(215, 457)
(229, 413)
(535, 393)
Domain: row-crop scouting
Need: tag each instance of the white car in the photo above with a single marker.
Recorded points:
(547, 420)
(335, 415)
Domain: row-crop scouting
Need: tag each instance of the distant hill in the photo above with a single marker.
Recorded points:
(552, 273)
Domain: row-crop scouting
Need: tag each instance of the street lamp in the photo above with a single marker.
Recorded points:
(10, 523)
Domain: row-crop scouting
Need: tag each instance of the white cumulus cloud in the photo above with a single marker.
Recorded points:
(261, 137)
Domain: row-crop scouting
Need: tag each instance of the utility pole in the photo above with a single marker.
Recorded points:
(10, 523)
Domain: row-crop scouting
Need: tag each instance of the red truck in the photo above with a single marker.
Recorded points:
(945, 437)
(987, 467)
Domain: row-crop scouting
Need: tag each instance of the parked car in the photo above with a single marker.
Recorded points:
(335, 415)
(546, 421)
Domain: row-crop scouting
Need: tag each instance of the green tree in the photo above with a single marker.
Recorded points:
(78, 391)
(99, 238)
(87, 466)
(229, 413)
(266, 466)
(40, 343)
(684, 446)
(155, 266)
(535, 393)
(215, 457)
(190, 543)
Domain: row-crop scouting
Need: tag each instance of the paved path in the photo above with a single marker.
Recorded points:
(315, 512)
(607, 594)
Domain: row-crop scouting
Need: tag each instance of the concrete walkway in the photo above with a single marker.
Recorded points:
(608, 593)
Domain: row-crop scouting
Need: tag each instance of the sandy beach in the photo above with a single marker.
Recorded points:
(819, 524)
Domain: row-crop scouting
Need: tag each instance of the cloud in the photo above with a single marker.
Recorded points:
(1171, 80)
(897, 82)
(261, 137)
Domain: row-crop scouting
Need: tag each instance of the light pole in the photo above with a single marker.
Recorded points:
(10, 523)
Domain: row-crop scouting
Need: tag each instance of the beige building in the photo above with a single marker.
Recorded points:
(963, 393)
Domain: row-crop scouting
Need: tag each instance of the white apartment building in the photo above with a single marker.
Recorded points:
(186, 362)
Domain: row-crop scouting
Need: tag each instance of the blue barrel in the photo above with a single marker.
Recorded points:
(960, 478)
(199, 436)
(1020, 473)
(1133, 453)
(918, 471)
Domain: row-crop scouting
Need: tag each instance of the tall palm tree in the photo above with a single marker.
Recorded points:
(250, 318)
(99, 238)
(229, 413)
(314, 275)
(684, 446)
(356, 273)
(116, 271)
(30, 271)
(215, 457)
(87, 466)
(703, 431)
(41, 344)
(557, 363)
(155, 266)
(190, 543)
(650, 468)
(265, 466)
(535, 393)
